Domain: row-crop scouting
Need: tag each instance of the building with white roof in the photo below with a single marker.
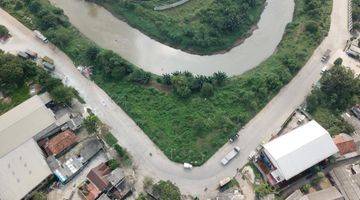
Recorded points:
(298, 150)
(22, 164)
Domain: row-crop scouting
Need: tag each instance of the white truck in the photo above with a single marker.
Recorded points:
(39, 35)
(230, 156)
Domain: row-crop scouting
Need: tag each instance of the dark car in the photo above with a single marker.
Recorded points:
(356, 111)
(233, 138)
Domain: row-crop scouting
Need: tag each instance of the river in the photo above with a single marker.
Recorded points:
(109, 32)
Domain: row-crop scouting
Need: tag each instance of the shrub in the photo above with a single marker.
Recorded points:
(113, 164)
(207, 90)
(3, 31)
(91, 123)
(110, 139)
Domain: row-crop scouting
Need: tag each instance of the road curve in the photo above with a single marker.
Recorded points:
(130, 136)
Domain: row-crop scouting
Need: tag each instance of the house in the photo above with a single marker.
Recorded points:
(345, 143)
(292, 153)
(107, 181)
(60, 143)
(98, 175)
(67, 170)
(22, 163)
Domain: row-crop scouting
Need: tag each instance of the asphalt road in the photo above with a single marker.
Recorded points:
(259, 129)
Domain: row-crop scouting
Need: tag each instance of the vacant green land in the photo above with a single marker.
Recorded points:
(192, 128)
(199, 26)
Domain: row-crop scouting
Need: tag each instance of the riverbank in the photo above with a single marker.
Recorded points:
(197, 27)
(193, 129)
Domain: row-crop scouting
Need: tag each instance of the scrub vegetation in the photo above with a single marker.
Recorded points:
(356, 14)
(189, 117)
(198, 26)
(337, 91)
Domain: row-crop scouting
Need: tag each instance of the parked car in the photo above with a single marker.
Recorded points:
(48, 60)
(39, 35)
(233, 138)
(326, 56)
(356, 111)
(22, 54)
(224, 181)
(188, 166)
(49, 66)
(33, 55)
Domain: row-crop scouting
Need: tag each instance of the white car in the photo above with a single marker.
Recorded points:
(188, 166)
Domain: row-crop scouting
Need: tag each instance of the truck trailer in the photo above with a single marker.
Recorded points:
(230, 156)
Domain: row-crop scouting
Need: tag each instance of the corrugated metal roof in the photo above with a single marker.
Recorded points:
(22, 123)
(300, 149)
(21, 170)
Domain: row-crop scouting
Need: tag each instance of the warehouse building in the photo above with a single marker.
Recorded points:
(294, 152)
(22, 163)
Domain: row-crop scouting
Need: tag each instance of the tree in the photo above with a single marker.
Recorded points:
(113, 164)
(166, 190)
(220, 77)
(4, 32)
(338, 61)
(91, 123)
(311, 27)
(140, 76)
(181, 86)
(339, 86)
(62, 95)
(92, 52)
(207, 90)
(34, 6)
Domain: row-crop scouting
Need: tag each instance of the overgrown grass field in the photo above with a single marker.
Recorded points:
(193, 129)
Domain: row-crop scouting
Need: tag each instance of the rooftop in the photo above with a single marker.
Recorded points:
(21, 170)
(98, 175)
(60, 142)
(24, 121)
(300, 149)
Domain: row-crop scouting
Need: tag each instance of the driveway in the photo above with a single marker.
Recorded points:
(259, 129)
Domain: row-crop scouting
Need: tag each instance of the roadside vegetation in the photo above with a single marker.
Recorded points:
(198, 26)
(4, 32)
(337, 91)
(189, 124)
(356, 14)
(16, 75)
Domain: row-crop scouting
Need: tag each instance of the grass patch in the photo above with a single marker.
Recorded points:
(199, 26)
(193, 129)
(17, 96)
(110, 139)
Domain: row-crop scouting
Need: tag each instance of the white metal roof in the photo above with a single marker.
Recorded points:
(21, 170)
(300, 149)
(23, 122)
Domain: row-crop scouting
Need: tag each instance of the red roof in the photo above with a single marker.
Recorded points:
(60, 142)
(344, 143)
(93, 191)
(98, 176)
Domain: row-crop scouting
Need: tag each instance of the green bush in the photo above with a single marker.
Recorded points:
(166, 190)
(110, 139)
(91, 123)
(113, 164)
(3, 31)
